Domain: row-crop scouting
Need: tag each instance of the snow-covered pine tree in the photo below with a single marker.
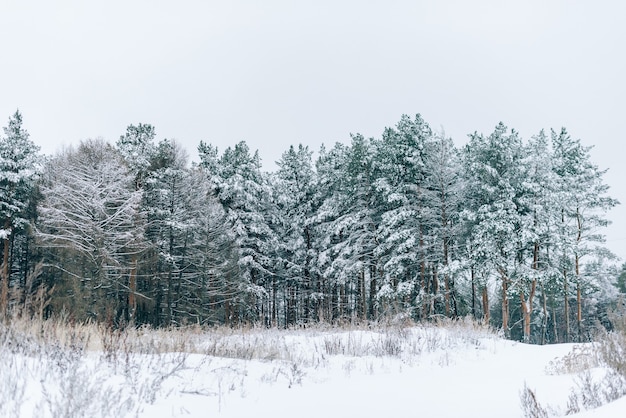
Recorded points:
(348, 219)
(582, 205)
(404, 228)
(166, 204)
(327, 198)
(204, 255)
(537, 211)
(492, 175)
(182, 276)
(213, 263)
(137, 148)
(294, 188)
(20, 163)
(444, 198)
(244, 192)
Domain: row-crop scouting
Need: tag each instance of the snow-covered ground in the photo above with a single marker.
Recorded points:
(453, 371)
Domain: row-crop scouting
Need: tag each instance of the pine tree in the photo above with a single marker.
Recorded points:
(444, 197)
(327, 201)
(180, 277)
(406, 218)
(492, 171)
(582, 204)
(294, 186)
(166, 203)
(348, 219)
(244, 193)
(137, 148)
(202, 255)
(537, 210)
(19, 165)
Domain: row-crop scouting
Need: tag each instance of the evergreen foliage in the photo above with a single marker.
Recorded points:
(402, 225)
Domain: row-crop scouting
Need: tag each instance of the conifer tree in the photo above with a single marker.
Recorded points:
(582, 204)
(537, 210)
(19, 165)
(244, 193)
(137, 148)
(166, 202)
(406, 218)
(350, 221)
(294, 186)
(328, 198)
(443, 197)
(492, 174)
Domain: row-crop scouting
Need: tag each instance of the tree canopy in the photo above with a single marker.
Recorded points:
(506, 230)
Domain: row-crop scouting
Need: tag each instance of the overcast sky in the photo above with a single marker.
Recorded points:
(275, 73)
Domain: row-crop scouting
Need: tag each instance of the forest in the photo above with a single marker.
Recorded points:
(506, 230)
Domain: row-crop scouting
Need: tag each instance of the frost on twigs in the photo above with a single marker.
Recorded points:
(530, 405)
(580, 359)
(52, 369)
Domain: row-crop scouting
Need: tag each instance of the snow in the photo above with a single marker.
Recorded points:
(418, 371)
(611, 410)
(473, 381)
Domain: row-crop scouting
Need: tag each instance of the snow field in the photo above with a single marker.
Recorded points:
(455, 370)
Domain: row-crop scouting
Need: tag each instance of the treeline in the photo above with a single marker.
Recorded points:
(507, 231)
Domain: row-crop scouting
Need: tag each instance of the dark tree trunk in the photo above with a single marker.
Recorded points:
(485, 306)
(4, 286)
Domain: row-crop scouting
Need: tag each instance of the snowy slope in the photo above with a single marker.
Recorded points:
(481, 378)
(455, 371)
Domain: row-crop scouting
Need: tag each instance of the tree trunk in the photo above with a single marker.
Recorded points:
(579, 303)
(527, 306)
(363, 303)
(227, 312)
(485, 306)
(24, 267)
(427, 296)
(544, 322)
(579, 314)
(132, 289)
(473, 276)
(455, 308)
(274, 303)
(527, 309)
(446, 279)
(555, 329)
(505, 305)
(372, 295)
(423, 280)
(446, 295)
(4, 287)
(566, 307)
(435, 289)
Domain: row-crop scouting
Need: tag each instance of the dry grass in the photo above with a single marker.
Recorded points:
(89, 369)
(78, 370)
(582, 358)
(530, 406)
(601, 370)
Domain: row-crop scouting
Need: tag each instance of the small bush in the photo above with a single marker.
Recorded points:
(610, 353)
(530, 405)
(593, 391)
(579, 360)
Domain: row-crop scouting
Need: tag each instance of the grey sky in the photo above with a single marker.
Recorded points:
(276, 73)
